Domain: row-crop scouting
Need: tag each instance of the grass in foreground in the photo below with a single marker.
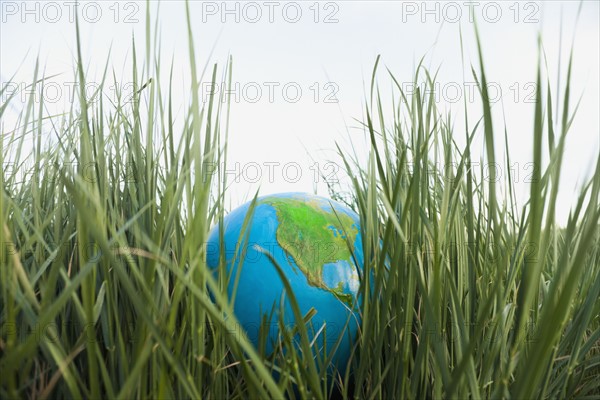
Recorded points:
(104, 285)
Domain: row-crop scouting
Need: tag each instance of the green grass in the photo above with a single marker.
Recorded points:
(105, 288)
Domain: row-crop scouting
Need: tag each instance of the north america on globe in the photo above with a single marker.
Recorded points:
(318, 239)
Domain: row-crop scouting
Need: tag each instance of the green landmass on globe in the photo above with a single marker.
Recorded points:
(313, 237)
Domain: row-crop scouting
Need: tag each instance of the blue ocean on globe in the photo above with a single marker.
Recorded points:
(317, 243)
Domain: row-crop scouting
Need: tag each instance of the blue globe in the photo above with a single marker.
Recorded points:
(317, 243)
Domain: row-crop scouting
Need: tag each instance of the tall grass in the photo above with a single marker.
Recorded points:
(105, 288)
(476, 297)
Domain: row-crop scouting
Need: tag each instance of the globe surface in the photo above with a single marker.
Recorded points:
(317, 244)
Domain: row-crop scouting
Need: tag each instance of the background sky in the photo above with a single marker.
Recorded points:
(302, 69)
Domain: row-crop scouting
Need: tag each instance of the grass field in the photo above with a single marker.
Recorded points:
(105, 288)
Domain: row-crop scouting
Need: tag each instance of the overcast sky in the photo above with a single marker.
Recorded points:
(301, 70)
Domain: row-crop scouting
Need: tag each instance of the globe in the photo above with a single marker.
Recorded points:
(317, 244)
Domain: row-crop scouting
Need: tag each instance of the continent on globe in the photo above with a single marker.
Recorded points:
(310, 234)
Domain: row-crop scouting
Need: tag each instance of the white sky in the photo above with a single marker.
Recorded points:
(276, 56)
